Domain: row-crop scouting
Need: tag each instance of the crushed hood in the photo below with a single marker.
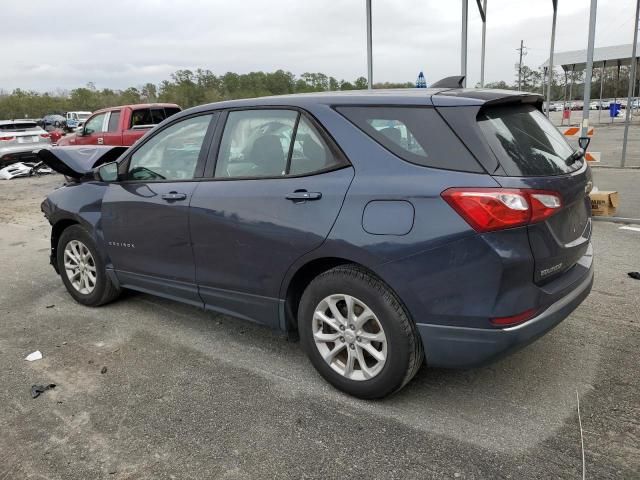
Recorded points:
(77, 162)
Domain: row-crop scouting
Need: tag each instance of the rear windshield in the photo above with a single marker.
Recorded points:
(416, 134)
(15, 127)
(151, 116)
(526, 142)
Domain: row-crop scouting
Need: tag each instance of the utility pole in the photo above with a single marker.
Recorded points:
(522, 52)
(632, 81)
(589, 69)
(369, 48)
(463, 42)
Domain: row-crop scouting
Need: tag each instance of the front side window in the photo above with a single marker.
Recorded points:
(416, 134)
(272, 143)
(171, 154)
(95, 124)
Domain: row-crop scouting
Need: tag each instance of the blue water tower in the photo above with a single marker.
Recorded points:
(421, 82)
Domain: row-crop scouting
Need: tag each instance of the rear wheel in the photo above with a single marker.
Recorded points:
(82, 269)
(357, 333)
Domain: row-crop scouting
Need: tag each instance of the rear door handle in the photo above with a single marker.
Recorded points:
(302, 195)
(173, 196)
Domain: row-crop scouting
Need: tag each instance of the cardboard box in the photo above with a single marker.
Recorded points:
(604, 203)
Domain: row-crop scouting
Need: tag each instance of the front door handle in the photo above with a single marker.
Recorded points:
(173, 196)
(302, 195)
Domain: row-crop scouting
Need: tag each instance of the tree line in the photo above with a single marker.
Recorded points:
(187, 88)
(614, 84)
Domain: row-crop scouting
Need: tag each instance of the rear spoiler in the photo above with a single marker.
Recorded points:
(77, 161)
(484, 97)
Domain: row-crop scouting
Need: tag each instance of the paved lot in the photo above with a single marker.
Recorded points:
(608, 136)
(189, 394)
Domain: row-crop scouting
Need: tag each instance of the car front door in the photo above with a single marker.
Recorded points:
(275, 191)
(92, 131)
(145, 215)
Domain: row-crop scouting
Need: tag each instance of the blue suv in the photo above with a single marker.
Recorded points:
(386, 229)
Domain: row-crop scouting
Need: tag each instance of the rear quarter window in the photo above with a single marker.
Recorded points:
(525, 142)
(416, 134)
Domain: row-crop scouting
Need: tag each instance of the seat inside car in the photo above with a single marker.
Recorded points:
(268, 156)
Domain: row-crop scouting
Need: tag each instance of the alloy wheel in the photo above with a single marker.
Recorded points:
(80, 267)
(349, 337)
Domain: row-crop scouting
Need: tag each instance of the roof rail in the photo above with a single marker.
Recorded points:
(449, 82)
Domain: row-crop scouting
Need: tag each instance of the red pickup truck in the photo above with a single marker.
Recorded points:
(120, 126)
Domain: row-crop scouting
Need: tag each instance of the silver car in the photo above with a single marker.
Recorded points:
(19, 139)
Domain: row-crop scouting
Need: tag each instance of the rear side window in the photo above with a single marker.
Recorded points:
(144, 117)
(526, 142)
(415, 134)
(114, 121)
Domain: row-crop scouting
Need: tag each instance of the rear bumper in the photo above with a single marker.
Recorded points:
(462, 347)
(21, 153)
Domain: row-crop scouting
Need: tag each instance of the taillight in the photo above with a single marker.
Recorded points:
(45, 135)
(489, 209)
(7, 139)
(514, 319)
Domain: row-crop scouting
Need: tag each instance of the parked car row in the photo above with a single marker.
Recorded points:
(117, 126)
(121, 126)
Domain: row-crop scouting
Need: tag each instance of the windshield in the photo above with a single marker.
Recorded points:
(84, 116)
(526, 142)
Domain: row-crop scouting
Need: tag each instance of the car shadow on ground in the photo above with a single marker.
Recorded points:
(513, 403)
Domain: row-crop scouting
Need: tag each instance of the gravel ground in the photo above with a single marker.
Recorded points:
(188, 394)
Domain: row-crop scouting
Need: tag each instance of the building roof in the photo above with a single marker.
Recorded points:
(614, 55)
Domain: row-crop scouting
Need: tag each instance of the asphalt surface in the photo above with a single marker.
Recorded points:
(189, 394)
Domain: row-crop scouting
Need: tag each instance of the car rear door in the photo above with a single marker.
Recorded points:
(532, 153)
(145, 215)
(266, 201)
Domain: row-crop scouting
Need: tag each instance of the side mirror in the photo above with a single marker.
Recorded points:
(107, 172)
(583, 142)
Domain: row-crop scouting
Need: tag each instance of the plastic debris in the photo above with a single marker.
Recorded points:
(33, 356)
(634, 275)
(36, 390)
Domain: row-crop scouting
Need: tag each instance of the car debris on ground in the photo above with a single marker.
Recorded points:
(36, 390)
(33, 356)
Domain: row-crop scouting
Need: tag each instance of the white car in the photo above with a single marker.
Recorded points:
(19, 139)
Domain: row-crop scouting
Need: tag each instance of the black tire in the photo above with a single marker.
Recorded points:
(405, 354)
(104, 291)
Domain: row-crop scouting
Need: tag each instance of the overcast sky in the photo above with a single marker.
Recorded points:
(120, 43)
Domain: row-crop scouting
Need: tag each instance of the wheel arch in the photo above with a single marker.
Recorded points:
(56, 231)
(303, 277)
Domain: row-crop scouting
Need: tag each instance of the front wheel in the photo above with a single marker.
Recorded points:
(82, 269)
(357, 334)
